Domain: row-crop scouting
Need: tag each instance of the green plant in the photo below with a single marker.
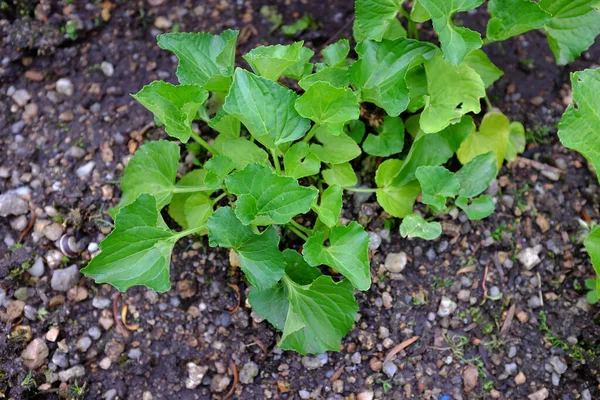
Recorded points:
(277, 171)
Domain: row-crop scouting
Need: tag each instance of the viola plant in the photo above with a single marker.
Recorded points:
(276, 162)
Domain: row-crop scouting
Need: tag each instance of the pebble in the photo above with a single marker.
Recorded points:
(53, 231)
(494, 291)
(356, 358)
(470, 377)
(304, 394)
(65, 86)
(21, 97)
(195, 375)
(534, 302)
(37, 269)
(559, 366)
(134, 354)
(17, 127)
(107, 68)
(14, 309)
(75, 152)
(315, 362)
(66, 278)
(390, 369)
(30, 312)
(463, 295)
(248, 372)
(85, 169)
(375, 241)
(387, 300)
(60, 359)
(92, 247)
(163, 23)
(510, 369)
(447, 307)
(365, 395)
(520, 378)
(105, 363)
(395, 262)
(101, 302)
(53, 258)
(220, 383)
(52, 334)
(84, 343)
(541, 394)
(11, 204)
(19, 223)
(94, 332)
(35, 354)
(529, 258)
(74, 372)
(110, 394)
(114, 349)
(512, 352)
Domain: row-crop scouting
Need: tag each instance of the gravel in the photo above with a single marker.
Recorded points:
(395, 262)
(35, 354)
(37, 269)
(66, 278)
(11, 204)
(65, 86)
(447, 307)
(248, 372)
(77, 371)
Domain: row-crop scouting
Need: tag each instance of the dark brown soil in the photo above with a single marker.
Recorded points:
(192, 323)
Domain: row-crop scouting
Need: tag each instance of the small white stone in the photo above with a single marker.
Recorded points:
(107, 68)
(85, 169)
(65, 86)
(395, 262)
(447, 307)
(529, 258)
(37, 269)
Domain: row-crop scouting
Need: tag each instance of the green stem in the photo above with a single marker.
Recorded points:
(192, 189)
(412, 28)
(487, 41)
(189, 232)
(361, 190)
(297, 232)
(304, 229)
(219, 197)
(203, 143)
(311, 133)
(488, 103)
(276, 161)
(405, 13)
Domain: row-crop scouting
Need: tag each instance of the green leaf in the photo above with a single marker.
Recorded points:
(259, 254)
(437, 184)
(298, 26)
(415, 226)
(328, 106)
(217, 168)
(578, 129)
(180, 209)
(155, 162)
(271, 61)
(492, 136)
(242, 151)
(398, 201)
(573, 27)
(265, 198)
(481, 207)
(486, 69)
(380, 72)
(204, 59)
(416, 79)
(514, 17)
(226, 124)
(456, 42)
(319, 316)
(592, 246)
(390, 139)
(374, 17)
(356, 130)
(300, 162)
(418, 13)
(476, 175)
(302, 67)
(331, 205)
(266, 109)
(457, 133)
(516, 141)
(335, 149)
(335, 76)
(271, 304)
(174, 106)
(453, 92)
(421, 154)
(335, 54)
(298, 270)
(138, 251)
(340, 174)
(594, 293)
(348, 253)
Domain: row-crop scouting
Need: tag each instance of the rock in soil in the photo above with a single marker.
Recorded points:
(66, 278)
(11, 204)
(395, 262)
(35, 353)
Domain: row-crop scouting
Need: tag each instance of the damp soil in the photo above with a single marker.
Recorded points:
(536, 206)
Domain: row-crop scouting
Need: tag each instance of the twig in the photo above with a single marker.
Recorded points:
(29, 227)
(526, 162)
(260, 344)
(336, 375)
(539, 279)
(124, 319)
(235, 381)
(236, 289)
(466, 269)
(508, 321)
(485, 274)
(115, 308)
(390, 356)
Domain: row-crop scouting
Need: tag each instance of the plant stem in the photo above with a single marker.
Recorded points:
(297, 232)
(189, 232)
(311, 133)
(361, 190)
(405, 13)
(219, 197)
(488, 103)
(487, 41)
(304, 229)
(276, 161)
(192, 189)
(203, 143)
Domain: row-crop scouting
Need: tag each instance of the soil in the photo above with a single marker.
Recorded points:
(512, 344)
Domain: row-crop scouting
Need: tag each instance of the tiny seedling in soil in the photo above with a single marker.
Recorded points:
(276, 165)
